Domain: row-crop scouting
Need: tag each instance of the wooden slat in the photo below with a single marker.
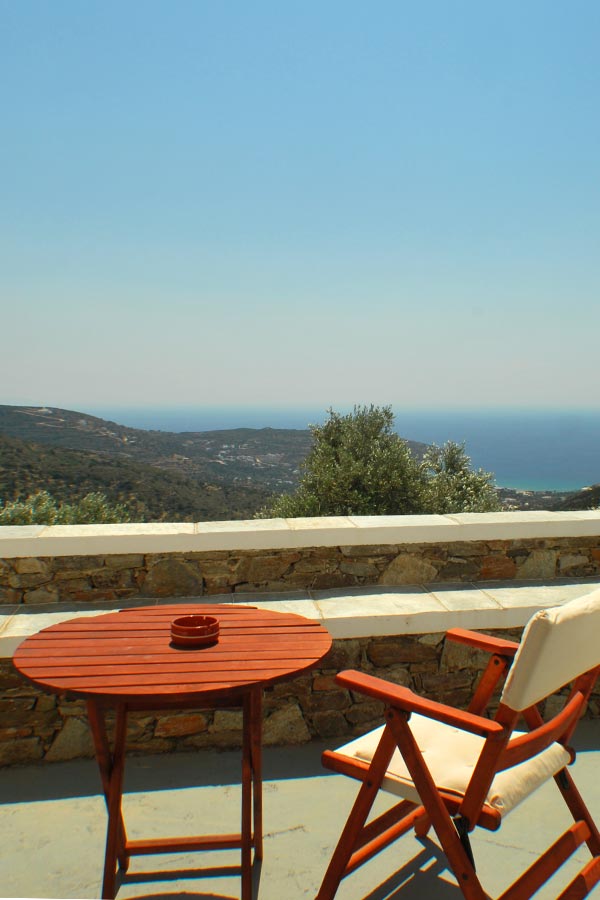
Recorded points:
(176, 668)
(40, 658)
(109, 622)
(163, 644)
(190, 659)
(138, 629)
(120, 642)
(184, 844)
(159, 676)
(259, 627)
(584, 882)
(548, 863)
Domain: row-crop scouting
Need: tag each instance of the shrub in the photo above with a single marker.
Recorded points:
(43, 509)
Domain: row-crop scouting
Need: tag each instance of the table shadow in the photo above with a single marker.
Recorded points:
(159, 772)
(184, 895)
(182, 874)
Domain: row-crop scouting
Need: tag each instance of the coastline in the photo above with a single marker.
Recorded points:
(527, 450)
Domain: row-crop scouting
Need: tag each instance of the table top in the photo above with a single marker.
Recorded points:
(128, 656)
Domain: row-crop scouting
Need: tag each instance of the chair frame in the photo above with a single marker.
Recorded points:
(453, 816)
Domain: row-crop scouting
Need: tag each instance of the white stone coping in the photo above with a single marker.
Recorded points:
(276, 534)
(348, 613)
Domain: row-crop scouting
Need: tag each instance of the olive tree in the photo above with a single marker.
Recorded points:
(451, 485)
(358, 465)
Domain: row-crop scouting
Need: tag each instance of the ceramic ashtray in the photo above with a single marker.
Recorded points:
(194, 631)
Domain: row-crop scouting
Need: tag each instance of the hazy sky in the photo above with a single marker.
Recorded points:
(300, 202)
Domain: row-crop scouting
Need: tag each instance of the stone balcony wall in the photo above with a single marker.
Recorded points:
(90, 564)
(467, 570)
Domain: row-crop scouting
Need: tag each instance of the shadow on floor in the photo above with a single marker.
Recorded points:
(202, 768)
(180, 874)
(419, 879)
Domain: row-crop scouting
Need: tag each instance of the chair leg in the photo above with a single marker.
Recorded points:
(455, 852)
(578, 809)
(349, 837)
(441, 821)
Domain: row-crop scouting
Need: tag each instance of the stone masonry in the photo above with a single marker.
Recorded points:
(115, 577)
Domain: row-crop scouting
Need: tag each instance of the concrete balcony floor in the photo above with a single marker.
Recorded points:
(52, 830)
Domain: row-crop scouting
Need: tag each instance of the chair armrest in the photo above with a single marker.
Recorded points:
(482, 641)
(403, 698)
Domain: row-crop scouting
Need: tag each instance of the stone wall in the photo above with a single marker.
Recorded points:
(91, 567)
(38, 726)
(114, 576)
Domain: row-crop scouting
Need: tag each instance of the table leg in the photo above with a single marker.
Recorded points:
(247, 783)
(111, 771)
(251, 787)
(256, 763)
(112, 766)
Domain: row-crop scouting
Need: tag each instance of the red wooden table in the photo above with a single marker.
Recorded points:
(126, 661)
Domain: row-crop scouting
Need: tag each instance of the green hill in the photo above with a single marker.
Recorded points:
(587, 498)
(152, 494)
(265, 457)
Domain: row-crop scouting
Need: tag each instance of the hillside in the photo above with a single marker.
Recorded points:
(151, 494)
(514, 498)
(587, 498)
(266, 457)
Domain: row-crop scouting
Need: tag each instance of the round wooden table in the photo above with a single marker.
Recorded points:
(126, 661)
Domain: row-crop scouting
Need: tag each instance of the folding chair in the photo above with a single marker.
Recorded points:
(459, 769)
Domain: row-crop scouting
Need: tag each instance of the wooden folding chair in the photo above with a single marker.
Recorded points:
(455, 770)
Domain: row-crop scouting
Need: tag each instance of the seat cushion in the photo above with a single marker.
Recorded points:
(451, 755)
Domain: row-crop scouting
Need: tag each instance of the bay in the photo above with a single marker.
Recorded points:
(526, 449)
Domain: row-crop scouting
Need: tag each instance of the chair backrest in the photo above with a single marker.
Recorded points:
(558, 645)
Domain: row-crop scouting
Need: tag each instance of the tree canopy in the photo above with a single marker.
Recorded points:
(358, 465)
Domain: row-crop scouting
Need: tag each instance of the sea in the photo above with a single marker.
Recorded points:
(536, 450)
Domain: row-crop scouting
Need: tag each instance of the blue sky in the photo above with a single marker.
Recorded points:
(300, 203)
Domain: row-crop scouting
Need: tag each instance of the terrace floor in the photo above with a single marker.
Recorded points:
(52, 830)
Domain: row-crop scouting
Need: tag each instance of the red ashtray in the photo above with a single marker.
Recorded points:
(194, 631)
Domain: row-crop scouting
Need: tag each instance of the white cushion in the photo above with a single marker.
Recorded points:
(451, 755)
(558, 644)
